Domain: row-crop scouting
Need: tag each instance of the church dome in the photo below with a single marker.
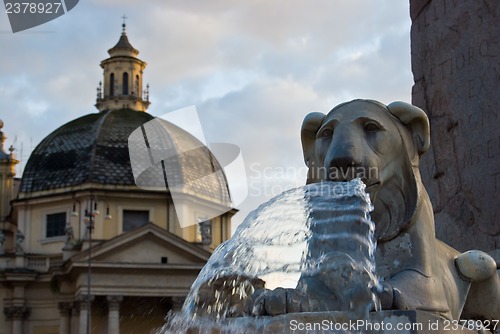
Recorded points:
(92, 148)
(95, 149)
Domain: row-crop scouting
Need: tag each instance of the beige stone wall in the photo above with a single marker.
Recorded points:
(31, 218)
(113, 273)
(31, 221)
(44, 314)
(143, 283)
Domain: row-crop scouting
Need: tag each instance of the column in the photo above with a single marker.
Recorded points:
(85, 301)
(17, 314)
(114, 314)
(75, 314)
(82, 328)
(65, 312)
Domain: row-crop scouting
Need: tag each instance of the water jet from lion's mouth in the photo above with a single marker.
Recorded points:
(302, 233)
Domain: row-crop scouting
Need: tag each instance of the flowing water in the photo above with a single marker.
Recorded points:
(318, 232)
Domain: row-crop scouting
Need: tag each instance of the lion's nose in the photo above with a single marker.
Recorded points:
(342, 162)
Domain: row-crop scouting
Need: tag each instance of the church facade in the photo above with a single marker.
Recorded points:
(83, 249)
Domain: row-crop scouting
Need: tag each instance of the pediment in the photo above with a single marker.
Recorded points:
(148, 244)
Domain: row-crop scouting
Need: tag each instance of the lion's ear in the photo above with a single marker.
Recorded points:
(416, 121)
(310, 126)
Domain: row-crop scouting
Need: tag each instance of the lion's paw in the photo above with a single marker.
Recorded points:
(277, 301)
(476, 266)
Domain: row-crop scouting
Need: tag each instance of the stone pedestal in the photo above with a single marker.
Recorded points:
(401, 322)
(456, 68)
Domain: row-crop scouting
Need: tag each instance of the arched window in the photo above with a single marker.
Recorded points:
(136, 89)
(125, 83)
(112, 84)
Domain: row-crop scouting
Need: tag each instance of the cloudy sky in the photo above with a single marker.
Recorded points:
(252, 68)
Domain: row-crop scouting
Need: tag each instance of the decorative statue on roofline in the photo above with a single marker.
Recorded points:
(19, 242)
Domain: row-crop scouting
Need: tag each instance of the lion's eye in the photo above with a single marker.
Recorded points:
(326, 133)
(372, 127)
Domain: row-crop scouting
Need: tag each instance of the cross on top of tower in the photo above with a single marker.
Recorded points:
(122, 85)
(124, 25)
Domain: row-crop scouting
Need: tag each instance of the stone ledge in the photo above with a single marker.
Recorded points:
(384, 322)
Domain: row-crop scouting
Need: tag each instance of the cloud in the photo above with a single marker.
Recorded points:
(254, 69)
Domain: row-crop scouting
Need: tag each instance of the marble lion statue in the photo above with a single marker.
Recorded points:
(382, 145)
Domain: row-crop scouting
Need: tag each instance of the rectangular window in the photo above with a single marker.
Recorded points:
(134, 218)
(56, 223)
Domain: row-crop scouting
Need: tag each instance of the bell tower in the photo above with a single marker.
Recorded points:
(7, 173)
(122, 85)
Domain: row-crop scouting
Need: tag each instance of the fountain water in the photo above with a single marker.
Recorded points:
(316, 240)
(306, 256)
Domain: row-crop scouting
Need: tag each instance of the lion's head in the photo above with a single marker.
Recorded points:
(381, 145)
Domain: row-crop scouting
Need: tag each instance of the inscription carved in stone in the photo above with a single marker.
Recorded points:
(456, 68)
